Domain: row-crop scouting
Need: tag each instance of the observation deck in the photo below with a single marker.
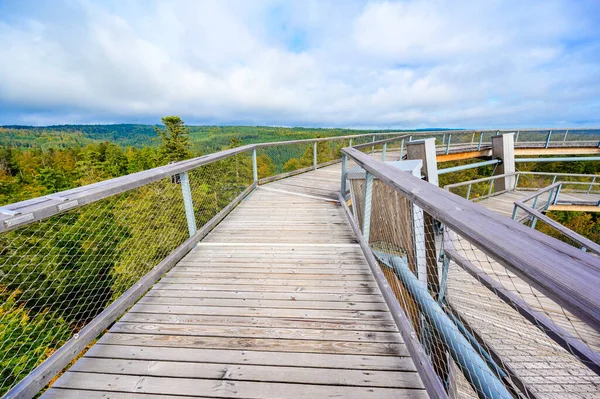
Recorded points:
(270, 271)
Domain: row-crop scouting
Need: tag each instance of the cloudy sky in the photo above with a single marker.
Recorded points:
(339, 63)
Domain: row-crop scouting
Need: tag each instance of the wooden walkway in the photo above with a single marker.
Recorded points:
(277, 301)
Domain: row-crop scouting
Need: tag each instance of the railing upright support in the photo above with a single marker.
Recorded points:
(503, 148)
(383, 152)
(373, 147)
(480, 141)
(367, 206)
(566, 133)
(188, 203)
(315, 155)
(591, 185)
(343, 185)
(401, 150)
(350, 143)
(254, 166)
(548, 139)
(534, 219)
(517, 136)
(469, 191)
(473, 138)
(448, 144)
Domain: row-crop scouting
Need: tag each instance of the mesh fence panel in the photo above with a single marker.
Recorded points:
(59, 273)
(475, 339)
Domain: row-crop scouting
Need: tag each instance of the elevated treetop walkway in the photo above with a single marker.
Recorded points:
(248, 273)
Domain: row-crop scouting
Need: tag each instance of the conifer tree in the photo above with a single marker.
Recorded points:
(175, 142)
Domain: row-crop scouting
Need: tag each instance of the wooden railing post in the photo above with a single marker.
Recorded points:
(503, 147)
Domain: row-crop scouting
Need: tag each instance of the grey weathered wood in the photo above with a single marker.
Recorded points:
(208, 330)
(232, 372)
(254, 357)
(559, 271)
(224, 388)
(261, 344)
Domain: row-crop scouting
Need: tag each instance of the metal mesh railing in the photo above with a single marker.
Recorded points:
(58, 274)
(485, 330)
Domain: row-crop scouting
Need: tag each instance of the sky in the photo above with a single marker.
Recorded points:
(340, 63)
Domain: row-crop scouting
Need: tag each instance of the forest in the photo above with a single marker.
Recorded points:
(58, 274)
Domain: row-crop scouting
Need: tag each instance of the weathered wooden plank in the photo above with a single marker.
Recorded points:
(260, 344)
(275, 322)
(178, 273)
(271, 312)
(237, 372)
(258, 303)
(197, 286)
(298, 296)
(255, 332)
(247, 281)
(253, 357)
(224, 388)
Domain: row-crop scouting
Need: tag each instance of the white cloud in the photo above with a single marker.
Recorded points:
(406, 64)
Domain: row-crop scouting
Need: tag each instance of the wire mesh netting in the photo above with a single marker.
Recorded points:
(467, 309)
(59, 273)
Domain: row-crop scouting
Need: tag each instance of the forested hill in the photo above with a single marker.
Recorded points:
(203, 139)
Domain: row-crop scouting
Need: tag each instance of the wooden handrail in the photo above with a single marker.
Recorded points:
(561, 272)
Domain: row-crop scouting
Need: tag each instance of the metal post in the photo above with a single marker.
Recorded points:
(566, 133)
(556, 195)
(410, 139)
(443, 139)
(469, 191)
(534, 219)
(344, 160)
(554, 179)
(254, 166)
(187, 202)
(516, 181)
(315, 155)
(517, 136)
(373, 147)
(472, 138)
(491, 186)
(401, 149)
(480, 141)
(549, 199)
(548, 138)
(367, 208)
(514, 214)
(591, 185)
(448, 144)
(350, 144)
(383, 152)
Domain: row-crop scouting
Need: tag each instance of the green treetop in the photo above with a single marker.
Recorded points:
(175, 142)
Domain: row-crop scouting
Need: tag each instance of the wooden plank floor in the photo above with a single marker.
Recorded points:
(277, 301)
